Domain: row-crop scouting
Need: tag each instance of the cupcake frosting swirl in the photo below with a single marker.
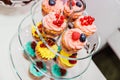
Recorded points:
(44, 52)
(58, 7)
(70, 42)
(48, 23)
(74, 8)
(88, 30)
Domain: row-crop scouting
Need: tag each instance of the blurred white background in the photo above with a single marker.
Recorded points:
(106, 12)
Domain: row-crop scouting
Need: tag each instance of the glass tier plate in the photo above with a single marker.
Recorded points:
(21, 65)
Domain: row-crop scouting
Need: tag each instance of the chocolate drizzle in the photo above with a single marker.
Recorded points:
(70, 25)
(39, 65)
(40, 28)
(87, 47)
(7, 2)
(49, 41)
(70, 4)
(75, 54)
(33, 45)
(42, 45)
(55, 59)
(94, 46)
(63, 71)
(26, 2)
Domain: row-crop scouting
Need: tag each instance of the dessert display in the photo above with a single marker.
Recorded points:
(57, 46)
(34, 73)
(85, 24)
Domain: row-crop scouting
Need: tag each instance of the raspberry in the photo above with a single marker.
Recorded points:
(75, 36)
(58, 25)
(81, 19)
(93, 18)
(82, 23)
(57, 16)
(55, 22)
(85, 17)
(86, 23)
(60, 21)
(89, 17)
(62, 17)
(90, 23)
(73, 3)
(87, 20)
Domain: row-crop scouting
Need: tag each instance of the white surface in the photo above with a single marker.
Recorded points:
(9, 21)
(93, 73)
(107, 15)
(114, 42)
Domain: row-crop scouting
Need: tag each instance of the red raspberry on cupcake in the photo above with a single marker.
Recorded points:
(54, 24)
(86, 24)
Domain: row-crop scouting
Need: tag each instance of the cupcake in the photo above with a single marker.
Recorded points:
(73, 40)
(57, 71)
(42, 52)
(85, 24)
(53, 24)
(52, 6)
(34, 73)
(30, 49)
(73, 8)
(64, 62)
(34, 33)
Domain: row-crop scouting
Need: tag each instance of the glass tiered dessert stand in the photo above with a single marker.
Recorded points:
(21, 65)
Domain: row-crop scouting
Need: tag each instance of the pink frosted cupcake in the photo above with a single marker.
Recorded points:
(73, 40)
(53, 24)
(85, 24)
(73, 5)
(52, 6)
